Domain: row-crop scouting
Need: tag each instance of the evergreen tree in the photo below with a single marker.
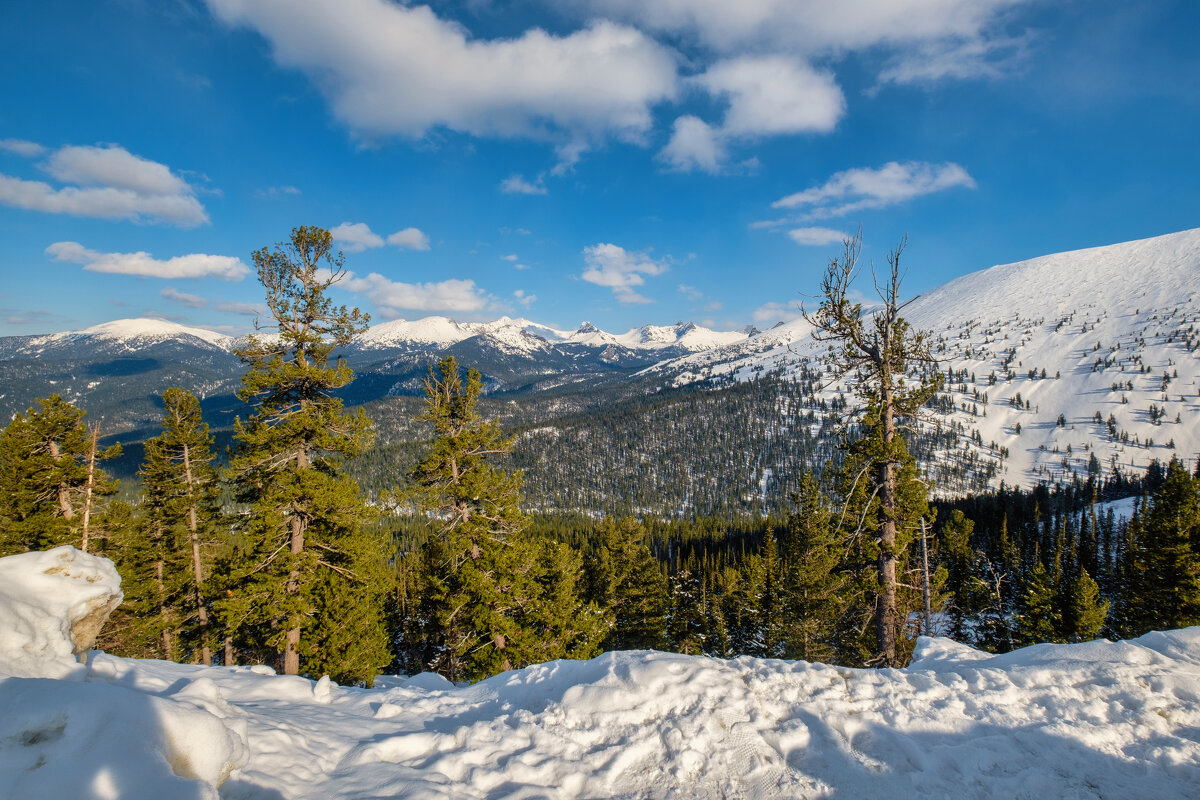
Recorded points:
(1085, 612)
(963, 562)
(180, 511)
(623, 576)
(811, 587)
(307, 568)
(49, 478)
(495, 598)
(1039, 618)
(1164, 586)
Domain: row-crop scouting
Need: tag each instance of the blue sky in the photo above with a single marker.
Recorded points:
(617, 161)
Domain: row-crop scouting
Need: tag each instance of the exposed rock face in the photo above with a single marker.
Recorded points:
(52, 606)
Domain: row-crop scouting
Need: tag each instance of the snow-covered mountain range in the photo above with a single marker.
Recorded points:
(436, 332)
(1057, 365)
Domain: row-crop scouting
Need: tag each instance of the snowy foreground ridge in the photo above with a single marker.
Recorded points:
(1110, 720)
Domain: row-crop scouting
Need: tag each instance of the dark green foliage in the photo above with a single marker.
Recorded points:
(1163, 555)
(1040, 616)
(165, 558)
(812, 586)
(50, 483)
(308, 577)
(622, 575)
(488, 596)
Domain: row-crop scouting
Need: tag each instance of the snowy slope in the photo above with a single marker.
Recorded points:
(1106, 325)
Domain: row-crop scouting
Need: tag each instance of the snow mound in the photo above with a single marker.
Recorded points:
(52, 606)
(82, 738)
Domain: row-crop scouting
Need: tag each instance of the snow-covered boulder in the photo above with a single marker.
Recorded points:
(88, 736)
(52, 606)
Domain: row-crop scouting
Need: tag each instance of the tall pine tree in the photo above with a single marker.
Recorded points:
(49, 478)
(494, 597)
(311, 577)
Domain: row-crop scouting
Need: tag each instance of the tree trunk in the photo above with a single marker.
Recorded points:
(291, 653)
(89, 486)
(197, 568)
(886, 631)
(229, 656)
(163, 613)
(64, 496)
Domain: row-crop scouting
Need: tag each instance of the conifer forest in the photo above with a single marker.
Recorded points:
(476, 537)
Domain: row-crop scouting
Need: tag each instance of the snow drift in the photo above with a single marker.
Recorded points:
(1099, 719)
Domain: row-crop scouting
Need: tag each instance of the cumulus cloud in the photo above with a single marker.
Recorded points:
(354, 237)
(766, 96)
(391, 296)
(620, 270)
(387, 68)
(690, 292)
(816, 236)
(22, 147)
(195, 265)
(516, 184)
(510, 257)
(694, 144)
(409, 239)
(855, 189)
(183, 298)
(774, 95)
(107, 182)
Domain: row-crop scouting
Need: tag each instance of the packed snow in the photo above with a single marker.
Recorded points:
(1093, 720)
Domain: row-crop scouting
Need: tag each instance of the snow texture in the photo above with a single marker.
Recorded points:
(1093, 720)
(52, 605)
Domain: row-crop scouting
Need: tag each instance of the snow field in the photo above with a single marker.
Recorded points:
(1093, 720)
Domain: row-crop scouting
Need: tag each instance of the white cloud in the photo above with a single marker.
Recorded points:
(183, 298)
(620, 270)
(108, 182)
(355, 237)
(516, 184)
(813, 27)
(525, 299)
(409, 239)
(113, 167)
(447, 295)
(817, 236)
(387, 68)
(767, 96)
(195, 265)
(22, 147)
(694, 145)
(894, 182)
(690, 292)
(770, 313)
(774, 95)
(510, 257)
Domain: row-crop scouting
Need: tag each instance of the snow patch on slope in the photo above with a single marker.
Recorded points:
(135, 333)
